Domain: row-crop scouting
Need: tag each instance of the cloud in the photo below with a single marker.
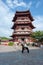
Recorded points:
(9, 3)
(18, 3)
(15, 3)
(6, 17)
(38, 23)
(37, 4)
(5, 20)
(29, 4)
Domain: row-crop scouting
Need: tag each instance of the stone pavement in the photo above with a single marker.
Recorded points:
(13, 56)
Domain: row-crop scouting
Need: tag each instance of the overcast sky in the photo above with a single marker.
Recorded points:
(8, 9)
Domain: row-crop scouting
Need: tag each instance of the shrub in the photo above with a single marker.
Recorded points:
(11, 43)
(0, 43)
(33, 44)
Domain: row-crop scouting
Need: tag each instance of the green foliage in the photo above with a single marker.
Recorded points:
(0, 42)
(11, 43)
(37, 34)
(33, 44)
(4, 38)
(41, 40)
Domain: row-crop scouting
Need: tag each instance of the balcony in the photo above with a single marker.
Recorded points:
(25, 30)
(23, 20)
(21, 33)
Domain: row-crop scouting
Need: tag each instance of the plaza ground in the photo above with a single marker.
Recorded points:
(11, 55)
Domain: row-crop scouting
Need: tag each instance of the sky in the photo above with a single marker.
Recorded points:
(8, 9)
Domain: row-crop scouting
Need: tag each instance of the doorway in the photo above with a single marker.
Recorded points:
(22, 39)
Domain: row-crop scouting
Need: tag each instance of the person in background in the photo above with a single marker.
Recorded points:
(24, 46)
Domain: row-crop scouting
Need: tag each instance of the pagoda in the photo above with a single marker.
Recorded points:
(22, 26)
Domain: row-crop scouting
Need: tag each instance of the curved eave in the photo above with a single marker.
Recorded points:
(22, 13)
(14, 19)
(13, 27)
(12, 36)
(20, 35)
(31, 25)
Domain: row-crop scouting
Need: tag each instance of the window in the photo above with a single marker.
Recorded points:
(22, 28)
(22, 39)
(22, 18)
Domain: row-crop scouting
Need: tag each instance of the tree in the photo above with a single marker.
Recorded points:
(38, 35)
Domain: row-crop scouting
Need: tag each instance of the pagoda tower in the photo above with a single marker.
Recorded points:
(22, 26)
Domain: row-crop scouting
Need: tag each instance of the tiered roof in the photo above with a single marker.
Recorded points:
(22, 13)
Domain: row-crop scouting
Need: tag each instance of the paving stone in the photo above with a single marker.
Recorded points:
(34, 57)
